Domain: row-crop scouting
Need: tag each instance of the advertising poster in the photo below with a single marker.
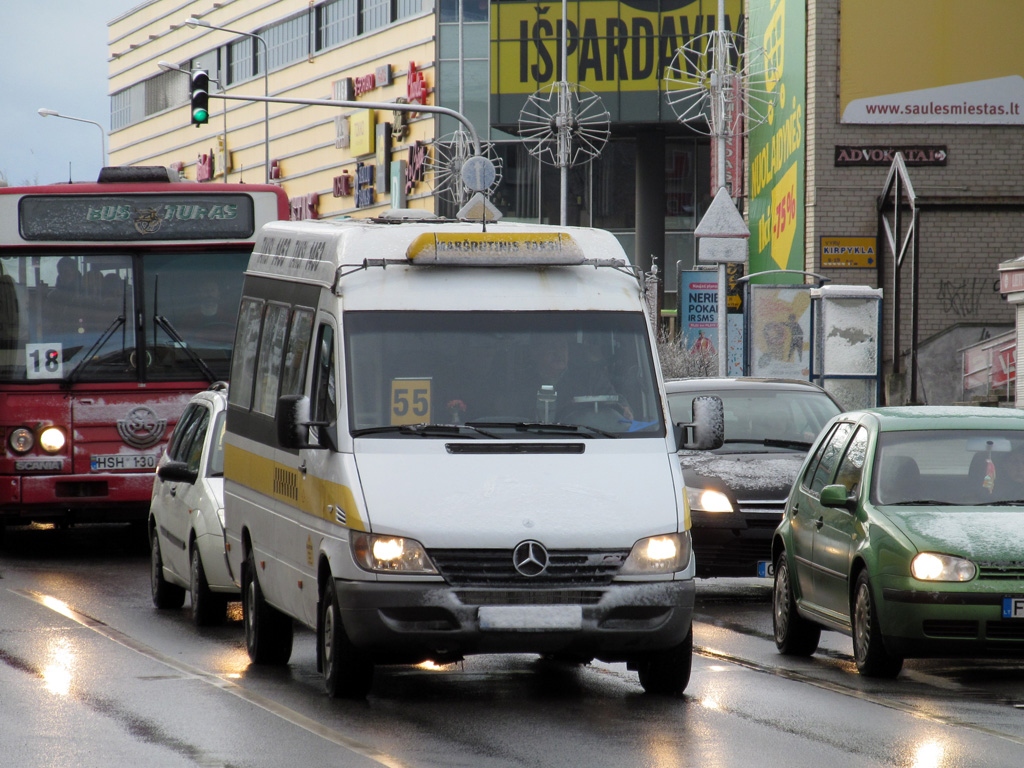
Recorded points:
(776, 211)
(699, 319)
(780, 331)
(619, 49)
(940, 62)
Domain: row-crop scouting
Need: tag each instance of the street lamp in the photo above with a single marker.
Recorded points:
(103, 133)
(193, 22)
(166, 66)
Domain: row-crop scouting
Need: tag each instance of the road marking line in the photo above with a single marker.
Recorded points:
(271, 706)
(799, 677)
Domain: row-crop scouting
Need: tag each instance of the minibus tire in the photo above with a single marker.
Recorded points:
(348, 673)
(165, 594)
(667, 672)
(268, 632)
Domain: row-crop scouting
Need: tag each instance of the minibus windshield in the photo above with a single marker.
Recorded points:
(522, 375)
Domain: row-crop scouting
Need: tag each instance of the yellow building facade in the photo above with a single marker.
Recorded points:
(331, 161)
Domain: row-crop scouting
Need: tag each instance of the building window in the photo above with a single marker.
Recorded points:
(287, 42)
(120, 109)
(242, 60)
(336, 22)
(376, 14)
(407, 8)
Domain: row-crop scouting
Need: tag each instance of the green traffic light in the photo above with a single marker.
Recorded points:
(200, 116)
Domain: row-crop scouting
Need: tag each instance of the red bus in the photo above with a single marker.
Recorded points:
(118, 302)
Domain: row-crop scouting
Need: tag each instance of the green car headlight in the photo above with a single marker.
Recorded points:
(929, 566)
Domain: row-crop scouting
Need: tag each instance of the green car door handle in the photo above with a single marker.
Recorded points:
(819, 523)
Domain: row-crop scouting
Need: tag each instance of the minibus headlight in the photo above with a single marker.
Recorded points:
(21, 440)
(390, 554)
(659, 554)
(51, 439)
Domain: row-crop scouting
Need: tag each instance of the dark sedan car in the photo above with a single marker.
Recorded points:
(736, 494)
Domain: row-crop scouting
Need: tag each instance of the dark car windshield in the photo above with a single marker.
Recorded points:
(949, 466)
(768, 419)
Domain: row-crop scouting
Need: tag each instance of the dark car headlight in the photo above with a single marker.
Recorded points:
(929, 566)
(707, 500)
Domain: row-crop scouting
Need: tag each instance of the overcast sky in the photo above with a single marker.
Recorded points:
(55, 57)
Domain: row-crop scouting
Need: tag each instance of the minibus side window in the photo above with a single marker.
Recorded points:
(324, 393)
(268, 371)
(243, 364)
(296, 353)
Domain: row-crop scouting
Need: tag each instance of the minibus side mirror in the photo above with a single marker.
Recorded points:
(293, 424)
(707, 430)
(177, 472)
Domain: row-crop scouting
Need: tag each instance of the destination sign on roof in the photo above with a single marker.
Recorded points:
(495, 249)
(136, 217)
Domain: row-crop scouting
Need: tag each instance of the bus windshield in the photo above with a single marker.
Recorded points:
(75, 316)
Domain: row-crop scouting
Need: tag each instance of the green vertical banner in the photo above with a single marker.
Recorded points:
(777, 159)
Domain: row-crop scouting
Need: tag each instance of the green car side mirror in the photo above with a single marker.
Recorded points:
(835, 496)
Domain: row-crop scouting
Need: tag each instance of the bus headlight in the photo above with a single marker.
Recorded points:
(659, 554)
(21, 440)
(390, 554)
(51, 439)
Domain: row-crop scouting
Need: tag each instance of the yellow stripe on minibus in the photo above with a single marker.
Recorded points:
(308, 494)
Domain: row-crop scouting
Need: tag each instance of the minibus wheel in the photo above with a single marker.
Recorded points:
(268, 632)
(667, 672)
(348, 673)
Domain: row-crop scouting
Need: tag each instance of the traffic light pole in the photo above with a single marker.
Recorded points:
(394, 106)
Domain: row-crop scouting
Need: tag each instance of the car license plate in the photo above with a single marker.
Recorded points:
(116, 461)
(765, 569)
(1013, 607)
(531, 618)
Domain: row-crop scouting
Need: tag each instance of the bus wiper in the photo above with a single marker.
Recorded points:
(800, 444)
(544, 428)
(1003, 503)
(171, 331)
(422, 430)
(77, 372)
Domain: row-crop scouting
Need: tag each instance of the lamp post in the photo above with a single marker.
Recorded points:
(103, 133)
(193, 22)
(166, 66)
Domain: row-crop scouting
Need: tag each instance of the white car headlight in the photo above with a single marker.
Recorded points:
(928, 566)
(707, 500)
(390, 554)
(668, 553)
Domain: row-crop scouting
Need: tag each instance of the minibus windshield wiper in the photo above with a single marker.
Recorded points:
(423, 430)
(543, 428)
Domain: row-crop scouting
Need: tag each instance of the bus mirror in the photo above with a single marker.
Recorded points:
(707, 430)
(293, 423)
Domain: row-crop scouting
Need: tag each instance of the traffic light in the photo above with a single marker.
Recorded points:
(200, 98)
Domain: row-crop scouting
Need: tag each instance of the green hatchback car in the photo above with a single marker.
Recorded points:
(905, 530)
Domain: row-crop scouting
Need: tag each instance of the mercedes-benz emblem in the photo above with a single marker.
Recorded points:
(530, 558)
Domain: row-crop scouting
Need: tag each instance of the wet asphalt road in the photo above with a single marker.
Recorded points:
(91, 674)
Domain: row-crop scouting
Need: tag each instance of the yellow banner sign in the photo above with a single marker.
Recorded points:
(611, 46)
(850, 252)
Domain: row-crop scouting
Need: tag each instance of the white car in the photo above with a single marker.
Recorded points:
(186, 513)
